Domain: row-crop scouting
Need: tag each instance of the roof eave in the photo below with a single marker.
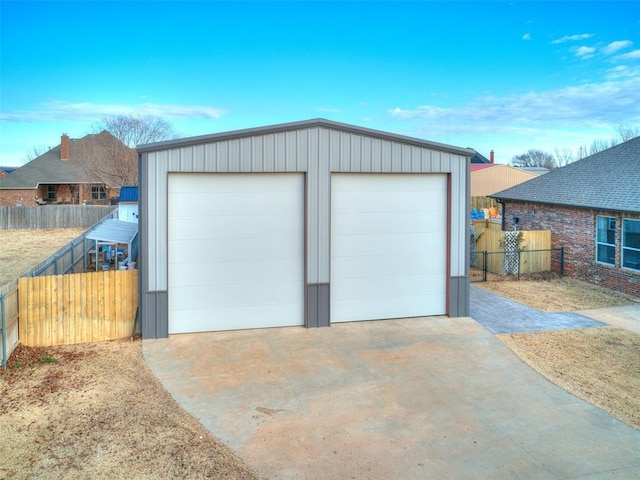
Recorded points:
(282, 127)
(503, 199)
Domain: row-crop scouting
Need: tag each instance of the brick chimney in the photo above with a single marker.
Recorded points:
(491, 156)
(64, 147)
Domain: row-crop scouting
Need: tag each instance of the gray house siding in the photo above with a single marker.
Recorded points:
(316, 148)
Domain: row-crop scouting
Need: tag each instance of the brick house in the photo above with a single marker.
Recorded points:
(592, 208)
(61, 176)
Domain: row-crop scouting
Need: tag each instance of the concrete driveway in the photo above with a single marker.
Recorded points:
(398, 399)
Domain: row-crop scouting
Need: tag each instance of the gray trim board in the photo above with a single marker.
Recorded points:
(318, 306)
(459, 297)
(154, 314)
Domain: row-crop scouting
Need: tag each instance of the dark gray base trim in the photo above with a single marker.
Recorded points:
(459, 297)
(317, 314)
(154, 314)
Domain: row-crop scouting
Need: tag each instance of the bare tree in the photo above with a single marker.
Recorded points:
(627, 132)
(107, 160)
(111, 156)
(35, 152)
(534, 158)
(134, 130)
(564, 156)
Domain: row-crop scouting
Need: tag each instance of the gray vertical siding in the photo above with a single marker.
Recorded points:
(316, 150)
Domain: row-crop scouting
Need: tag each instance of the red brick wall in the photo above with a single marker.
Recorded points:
(11, 198)
(575, 230)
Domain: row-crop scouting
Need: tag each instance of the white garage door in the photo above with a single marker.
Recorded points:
(235, 251)
(388, 246)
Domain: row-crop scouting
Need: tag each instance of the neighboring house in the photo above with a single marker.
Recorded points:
(128, 204)
(592, 207)
(301, 224)
(479, 159)
(497, 177)
(60, 176)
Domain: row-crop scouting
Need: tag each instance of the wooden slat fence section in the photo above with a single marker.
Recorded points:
(531, 261)
(52, 216)
(78, 308)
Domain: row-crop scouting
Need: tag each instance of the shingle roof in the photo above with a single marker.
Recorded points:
(48, 168)
(608, 180)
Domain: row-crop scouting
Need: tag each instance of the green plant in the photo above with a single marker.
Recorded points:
(47, 360)
(514, 240)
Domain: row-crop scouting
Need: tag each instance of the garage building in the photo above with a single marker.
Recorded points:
(306, 223)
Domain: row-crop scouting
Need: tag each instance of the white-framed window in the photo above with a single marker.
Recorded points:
(98, 193)
(631, 244)
(606, 239)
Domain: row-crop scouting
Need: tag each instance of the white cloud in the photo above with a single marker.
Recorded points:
(59, 111)
(584, 52)
(633, 55)
(589, 105)
(526, 36)
(613, 47)
(573, 38)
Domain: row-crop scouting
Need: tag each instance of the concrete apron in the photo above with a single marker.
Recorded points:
(403, 399)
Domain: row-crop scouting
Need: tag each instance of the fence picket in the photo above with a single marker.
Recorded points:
(77, 308)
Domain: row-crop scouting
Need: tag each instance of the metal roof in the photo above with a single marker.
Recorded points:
(128, 193)
(318, 122)
(114, 231)
(607, 180)
(487, 181)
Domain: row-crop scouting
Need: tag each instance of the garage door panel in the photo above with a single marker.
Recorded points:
(214, 274)
(399, 266)
(229, 226)
(389, 287)
(201, 320)
(363, 224)
(236, 251)
(381, 308)
(391, 243)
(230, 295)
(388, 246)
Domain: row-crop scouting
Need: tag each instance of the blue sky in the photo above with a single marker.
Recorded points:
(490, 75)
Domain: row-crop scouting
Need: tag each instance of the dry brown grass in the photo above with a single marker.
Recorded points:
(557, 294)
(598, 365)
(97, 411)
(24, 249)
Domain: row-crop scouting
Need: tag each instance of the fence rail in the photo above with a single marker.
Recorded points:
(77, 308)
(523, 262)
(52, 216)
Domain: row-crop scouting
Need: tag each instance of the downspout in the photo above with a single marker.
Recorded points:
(501, 202)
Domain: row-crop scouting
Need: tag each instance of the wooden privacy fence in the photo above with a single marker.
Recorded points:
(78, 308)
(52, 216)
(536, 256)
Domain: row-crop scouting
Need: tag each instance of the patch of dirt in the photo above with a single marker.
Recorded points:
(24, 249)
(557, 294)
(598, 365)
(97, 411)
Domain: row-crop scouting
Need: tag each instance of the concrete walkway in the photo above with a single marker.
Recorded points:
(423, 398)
(499, 314)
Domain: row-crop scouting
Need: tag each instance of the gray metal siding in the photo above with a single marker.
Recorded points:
(459, 291)
(317, 150)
